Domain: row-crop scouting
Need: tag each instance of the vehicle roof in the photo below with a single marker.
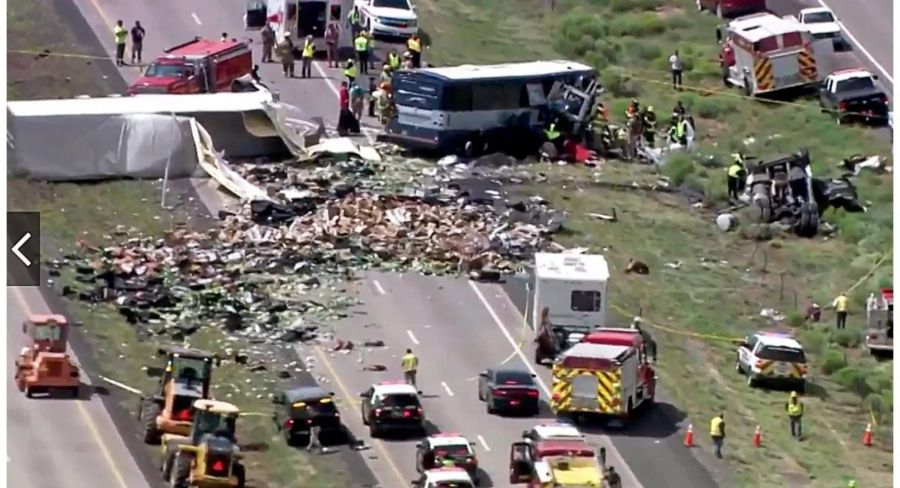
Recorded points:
(216, 406)
(777, 340)
(530, 69)
(617, 337)
(306, 393)
(43, 318)
(755, 27)
(448, 474)
(201, 48)
(597, 351)
(557, 431)
(395, 389)
(187, 352)
(561, 445)
(439, 440)
(569, 266)
(142, 104)
(846, 74)
(816, 10)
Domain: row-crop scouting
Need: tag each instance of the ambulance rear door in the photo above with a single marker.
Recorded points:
(256, 14)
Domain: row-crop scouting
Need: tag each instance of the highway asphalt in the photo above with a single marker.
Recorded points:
(55, 442)
(457, 328)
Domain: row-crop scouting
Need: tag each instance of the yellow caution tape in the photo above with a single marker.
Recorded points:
(678, 331)
(56, 54)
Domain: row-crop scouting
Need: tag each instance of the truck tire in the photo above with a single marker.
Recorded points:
(808, 224)
(169, 462)
(29, 392)
(241, 474)
(765, 209)
(748, 89)
(149, 412)
(181, 472)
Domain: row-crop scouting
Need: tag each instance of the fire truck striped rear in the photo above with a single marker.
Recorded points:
(764, 74)
(807, 60)
(608, 390)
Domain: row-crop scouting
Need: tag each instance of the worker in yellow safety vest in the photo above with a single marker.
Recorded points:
(717, 433)
(121, 36)
(350, 71)
(309, 50)
(361, 47)
(414, 46)
(410, 364)
(840, 307)
(354, 19)
(393, 60)
(794, 409)
(678, 132)
(735, 172)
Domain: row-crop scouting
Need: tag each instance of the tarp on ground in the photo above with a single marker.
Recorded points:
(239, 123)
(73, 147)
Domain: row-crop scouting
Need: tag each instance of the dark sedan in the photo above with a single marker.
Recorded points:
(509, 390)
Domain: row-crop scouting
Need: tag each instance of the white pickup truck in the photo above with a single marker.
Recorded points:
(822, 24)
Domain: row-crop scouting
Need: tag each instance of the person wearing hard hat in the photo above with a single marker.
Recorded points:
(840, 305)
(649, 126)
(309, 50)
(794, 408)
(735, 173)
(648, 339)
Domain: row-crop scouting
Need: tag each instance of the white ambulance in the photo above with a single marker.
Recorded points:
(765, 53)
(300, 18)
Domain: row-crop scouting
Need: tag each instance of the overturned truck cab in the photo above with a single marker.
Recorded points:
(474, 110)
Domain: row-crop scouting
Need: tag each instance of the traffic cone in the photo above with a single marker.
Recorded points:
(867, 436)
(689, 436)
(757, 437)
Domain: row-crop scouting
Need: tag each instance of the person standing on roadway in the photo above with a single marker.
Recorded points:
(224, 37)
(268, 42)
(613, 480)
(717, 433)
(309, 50)
(410, 364)
(137, 42)
(285, 51)
(794, 409)
(350, 71)
(357, 101)
(393, 60)
(353, 18)
(361, 47)
(332, 36)
(121, 36)
(314, 442)
(414, 46)
(840, 305)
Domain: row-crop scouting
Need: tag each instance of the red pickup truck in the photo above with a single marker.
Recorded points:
(197, 66)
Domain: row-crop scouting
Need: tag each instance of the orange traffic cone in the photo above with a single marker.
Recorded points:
(757, 437)
(867, 436)
(689, 436)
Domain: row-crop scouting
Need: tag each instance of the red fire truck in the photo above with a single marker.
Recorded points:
(197, 66)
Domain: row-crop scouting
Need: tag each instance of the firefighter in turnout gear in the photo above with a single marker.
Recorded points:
(410, 364)
(794, 408)
(736, 175)
(649, 123)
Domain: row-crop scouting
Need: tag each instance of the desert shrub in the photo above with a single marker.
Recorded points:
(853, 379)
(831, 361)
(814, 341)
(879, 382)
(853, 227)
(716, 188)
(618, 85)
(637, 25)
(795, 319)
(634, 5)
(639, 51)
(714, 107)
(577, 31)
(878, 405)
(678, 167)
(847, 338)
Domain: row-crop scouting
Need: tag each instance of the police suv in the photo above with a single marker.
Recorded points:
(772, 357)
(392, 405)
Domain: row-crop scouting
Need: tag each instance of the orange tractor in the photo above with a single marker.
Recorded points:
(45, 366)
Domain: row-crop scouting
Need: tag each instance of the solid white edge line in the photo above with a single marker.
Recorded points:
(858, 44)
(447, 388)
(378, 287)
(412, 337)
(196, 19)
(613, 455)
(484, 443)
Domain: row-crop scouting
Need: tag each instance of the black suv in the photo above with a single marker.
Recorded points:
(853, 94)
(299, 409)
(392, 406)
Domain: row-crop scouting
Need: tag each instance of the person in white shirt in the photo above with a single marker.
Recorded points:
(676, 67)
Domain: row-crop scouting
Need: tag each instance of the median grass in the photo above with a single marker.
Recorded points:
(722, 281)
(93, 212)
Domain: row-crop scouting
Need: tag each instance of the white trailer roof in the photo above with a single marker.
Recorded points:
(762, 25)
(598, 351)
(142, 104)
(568, 266)
(508, 70)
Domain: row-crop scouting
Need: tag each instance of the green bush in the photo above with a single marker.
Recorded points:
(577, 32)
(638, 25)
(632, 5)
(796, 320)
(879, 382)
(814, 341)
(618, 85)
(714, 107)
(636, 50)
(853, 227)
(847, 338)
(831, 361)
(678, 167)
(853, 379)
(878, 405)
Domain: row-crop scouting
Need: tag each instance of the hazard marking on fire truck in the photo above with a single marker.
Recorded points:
(764, 74)
(608, 389)
(797, 369)
(808, 64)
